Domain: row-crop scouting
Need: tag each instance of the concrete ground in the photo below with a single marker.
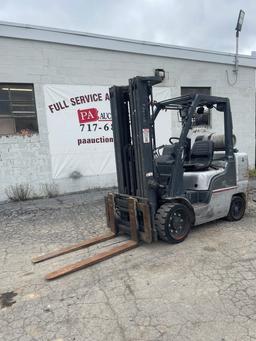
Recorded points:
(202, 289)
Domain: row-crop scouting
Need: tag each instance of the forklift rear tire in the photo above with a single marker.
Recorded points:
(173, 222)
(237, 208)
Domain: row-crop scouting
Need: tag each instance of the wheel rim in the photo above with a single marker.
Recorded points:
(178, 224)
(237, 208)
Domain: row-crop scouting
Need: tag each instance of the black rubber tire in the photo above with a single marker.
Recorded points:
(237, 208)
(166, 225)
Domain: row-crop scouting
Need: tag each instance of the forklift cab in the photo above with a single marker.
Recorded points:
(182, 158)
(203, 156)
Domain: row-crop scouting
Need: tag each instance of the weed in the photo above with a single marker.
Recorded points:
(252, 172)
(50, 190)
(19, 192)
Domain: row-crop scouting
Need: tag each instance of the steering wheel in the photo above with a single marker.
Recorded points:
(173, 138)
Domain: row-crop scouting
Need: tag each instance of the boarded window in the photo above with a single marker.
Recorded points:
(17, 109)
(205, 118)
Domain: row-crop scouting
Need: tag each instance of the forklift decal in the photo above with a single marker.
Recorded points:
(146, 138)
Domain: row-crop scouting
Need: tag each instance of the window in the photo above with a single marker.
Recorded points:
(17, 109)
(205, 118)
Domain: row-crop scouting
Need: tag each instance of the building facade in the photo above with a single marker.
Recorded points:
(34, 58)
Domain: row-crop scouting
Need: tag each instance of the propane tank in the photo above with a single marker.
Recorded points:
(217, 139)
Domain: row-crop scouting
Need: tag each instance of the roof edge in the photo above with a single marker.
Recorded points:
(98, 41)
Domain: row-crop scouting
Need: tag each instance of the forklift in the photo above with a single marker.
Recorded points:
(165, 190)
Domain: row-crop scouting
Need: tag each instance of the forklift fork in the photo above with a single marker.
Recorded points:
(135, 235)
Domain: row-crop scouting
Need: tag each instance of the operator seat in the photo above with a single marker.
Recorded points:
(165, 160)
(201, 156)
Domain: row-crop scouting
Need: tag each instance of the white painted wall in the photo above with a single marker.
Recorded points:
(22, 61)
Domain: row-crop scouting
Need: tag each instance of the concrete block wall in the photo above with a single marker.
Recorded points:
(40, 63)
(23, 160)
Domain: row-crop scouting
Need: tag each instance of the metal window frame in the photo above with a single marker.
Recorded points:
(16, 114)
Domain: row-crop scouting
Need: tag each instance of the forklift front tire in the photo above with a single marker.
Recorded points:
(173, 222)
(237, 208)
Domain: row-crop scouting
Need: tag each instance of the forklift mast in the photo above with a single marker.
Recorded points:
(134, 136)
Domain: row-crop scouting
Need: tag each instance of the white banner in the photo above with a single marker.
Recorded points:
(80, 129)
